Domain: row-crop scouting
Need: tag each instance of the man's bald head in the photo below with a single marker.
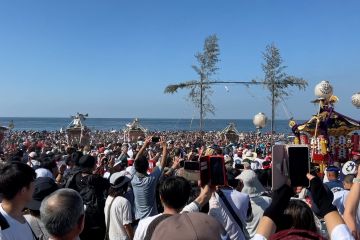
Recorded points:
(62, 212)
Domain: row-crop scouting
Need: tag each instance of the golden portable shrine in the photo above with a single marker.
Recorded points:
(331, 136)
(77, 132)
(134, 131)
(230, 133)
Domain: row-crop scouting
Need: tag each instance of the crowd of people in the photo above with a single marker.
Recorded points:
(113, 189)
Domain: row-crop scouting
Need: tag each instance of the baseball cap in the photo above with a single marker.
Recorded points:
(44, 186)
(32, 154)
(332, 168)
(189, 226)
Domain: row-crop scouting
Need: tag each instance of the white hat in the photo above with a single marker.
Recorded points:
(249, 155)
(115, 176)
(252, 185)
(349, 168)
(32, 154)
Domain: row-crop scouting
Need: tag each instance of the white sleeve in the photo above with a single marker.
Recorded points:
(341, 232)
(258, 237)
(191, 207)
(140, 232)
(126, 213)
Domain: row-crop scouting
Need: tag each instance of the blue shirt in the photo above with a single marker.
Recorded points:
(144, 188)
(335, 185)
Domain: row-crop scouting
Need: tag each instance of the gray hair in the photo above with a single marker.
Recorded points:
(61, 211)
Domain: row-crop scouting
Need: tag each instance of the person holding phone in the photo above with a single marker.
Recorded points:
(144, 184)
(234, 219)
(274, 215)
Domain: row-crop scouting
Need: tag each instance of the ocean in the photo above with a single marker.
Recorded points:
(152, 124)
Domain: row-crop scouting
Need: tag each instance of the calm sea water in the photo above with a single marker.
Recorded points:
(53, 124)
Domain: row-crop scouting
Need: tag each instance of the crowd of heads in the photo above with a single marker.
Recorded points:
(43, 174)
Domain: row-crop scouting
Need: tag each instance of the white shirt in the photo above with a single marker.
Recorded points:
(16, 229)
(43, 172)
(120, 215)
(240, 204)
(339, 201)
(143, 225)
(258, 206)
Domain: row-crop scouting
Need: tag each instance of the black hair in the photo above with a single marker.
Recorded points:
(349, 178)
(70, 150)
(264, 176)
(175, 192)
(87, 163)
(14, 158)
(231, 174)
(75, 157)
(141, 164)
(48, 163)
(13, 177)
(299, 215)
(177, 152)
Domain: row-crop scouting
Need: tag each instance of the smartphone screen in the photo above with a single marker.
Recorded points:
(155, 139)
(217, 171)
(279, 166)
(299, 165)
(204, 171)
(190, 165)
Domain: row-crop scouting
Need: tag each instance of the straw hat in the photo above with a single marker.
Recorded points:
(249, 155)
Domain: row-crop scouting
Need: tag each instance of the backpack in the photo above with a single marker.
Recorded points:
(94, 203)
(93, 199)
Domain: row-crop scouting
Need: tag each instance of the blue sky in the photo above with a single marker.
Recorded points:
(114, 58)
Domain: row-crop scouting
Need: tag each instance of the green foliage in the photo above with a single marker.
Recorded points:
(206, 68)
(276, 80)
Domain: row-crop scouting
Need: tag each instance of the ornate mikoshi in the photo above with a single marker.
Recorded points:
(134, 131)
(355, 100)
(333, 147)
(329, 131)
(230, 133)
(77, 132)
(355, 142)
(323, 90)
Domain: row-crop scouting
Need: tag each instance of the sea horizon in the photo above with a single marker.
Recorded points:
(152, 124)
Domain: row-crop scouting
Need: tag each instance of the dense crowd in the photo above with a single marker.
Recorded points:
(113, 189)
